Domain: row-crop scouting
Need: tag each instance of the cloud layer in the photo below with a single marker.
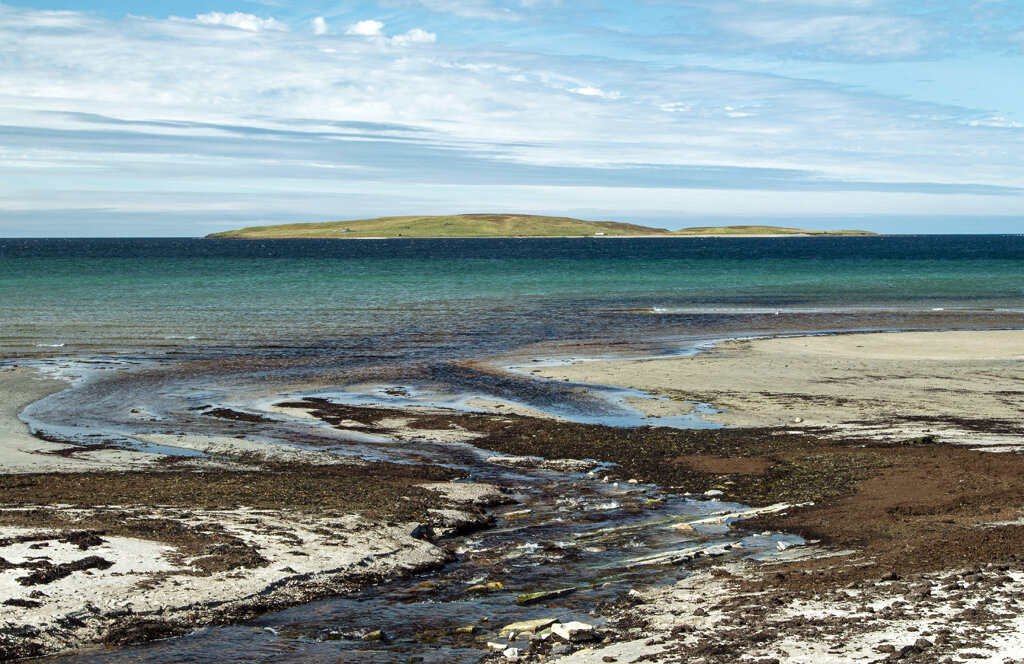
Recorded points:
(625, 111)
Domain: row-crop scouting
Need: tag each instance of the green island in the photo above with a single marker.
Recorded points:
(499, 225)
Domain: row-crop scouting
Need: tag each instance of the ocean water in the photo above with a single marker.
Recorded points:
(421, 298)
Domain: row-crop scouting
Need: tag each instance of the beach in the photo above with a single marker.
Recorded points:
(907, 541)
(960, 386)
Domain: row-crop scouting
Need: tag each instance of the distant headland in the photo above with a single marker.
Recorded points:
(500, 225)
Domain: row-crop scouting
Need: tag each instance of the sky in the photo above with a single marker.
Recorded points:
(186, 118)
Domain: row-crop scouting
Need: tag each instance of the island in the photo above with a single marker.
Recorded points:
(501, 225)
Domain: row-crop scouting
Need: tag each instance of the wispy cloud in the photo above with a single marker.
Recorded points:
(235, 114)
(242, 21)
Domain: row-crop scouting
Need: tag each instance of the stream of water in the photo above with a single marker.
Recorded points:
(565, 531)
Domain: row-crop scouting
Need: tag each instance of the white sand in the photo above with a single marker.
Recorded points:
(21, 452)
(860, 383)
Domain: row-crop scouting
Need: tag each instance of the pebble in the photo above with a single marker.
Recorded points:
(511, 653)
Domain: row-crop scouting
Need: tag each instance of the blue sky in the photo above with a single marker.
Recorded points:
(184, 118)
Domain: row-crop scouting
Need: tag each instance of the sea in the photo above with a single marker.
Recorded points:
(165, 327)
(424, 298)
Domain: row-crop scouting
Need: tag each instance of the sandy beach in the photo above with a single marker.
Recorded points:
(962, 387)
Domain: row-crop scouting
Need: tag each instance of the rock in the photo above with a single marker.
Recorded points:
(782, 546)
(491, 587)
(699, 612)
(634, 481)
(511, 653)
(530, 626)
(531, 598)
(712, 493)
(923, 643)
(573, 631)
(561, 649)
(608, 658)
(496, 646)
(798, 420)
(468, 629)
(375, 635)
(684, 528)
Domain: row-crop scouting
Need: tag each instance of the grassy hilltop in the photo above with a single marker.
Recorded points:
(493, 225)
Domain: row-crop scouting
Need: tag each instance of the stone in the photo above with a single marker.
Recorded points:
(375, 635)
(560, 649)
(713, 493)
(634, 481)
(529, 626)
(798, 420)
(485, 587)
(684, 528)
(511, 654)
(531, 598)
(574, 631)
(496, 646)
(468, 629)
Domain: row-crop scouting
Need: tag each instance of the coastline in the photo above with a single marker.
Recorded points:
(913, 529)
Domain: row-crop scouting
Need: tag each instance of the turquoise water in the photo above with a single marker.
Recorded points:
(138, 294)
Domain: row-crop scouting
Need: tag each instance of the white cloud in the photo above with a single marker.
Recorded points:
(242, 21)
(414, 36)
(368, 28)
(319, 25)
(594, 92)
(996, 121)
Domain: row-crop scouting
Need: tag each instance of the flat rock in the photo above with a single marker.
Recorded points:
(530, 626)
(574, 631)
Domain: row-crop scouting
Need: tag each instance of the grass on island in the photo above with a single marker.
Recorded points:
(493, 225)
(762, 230)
